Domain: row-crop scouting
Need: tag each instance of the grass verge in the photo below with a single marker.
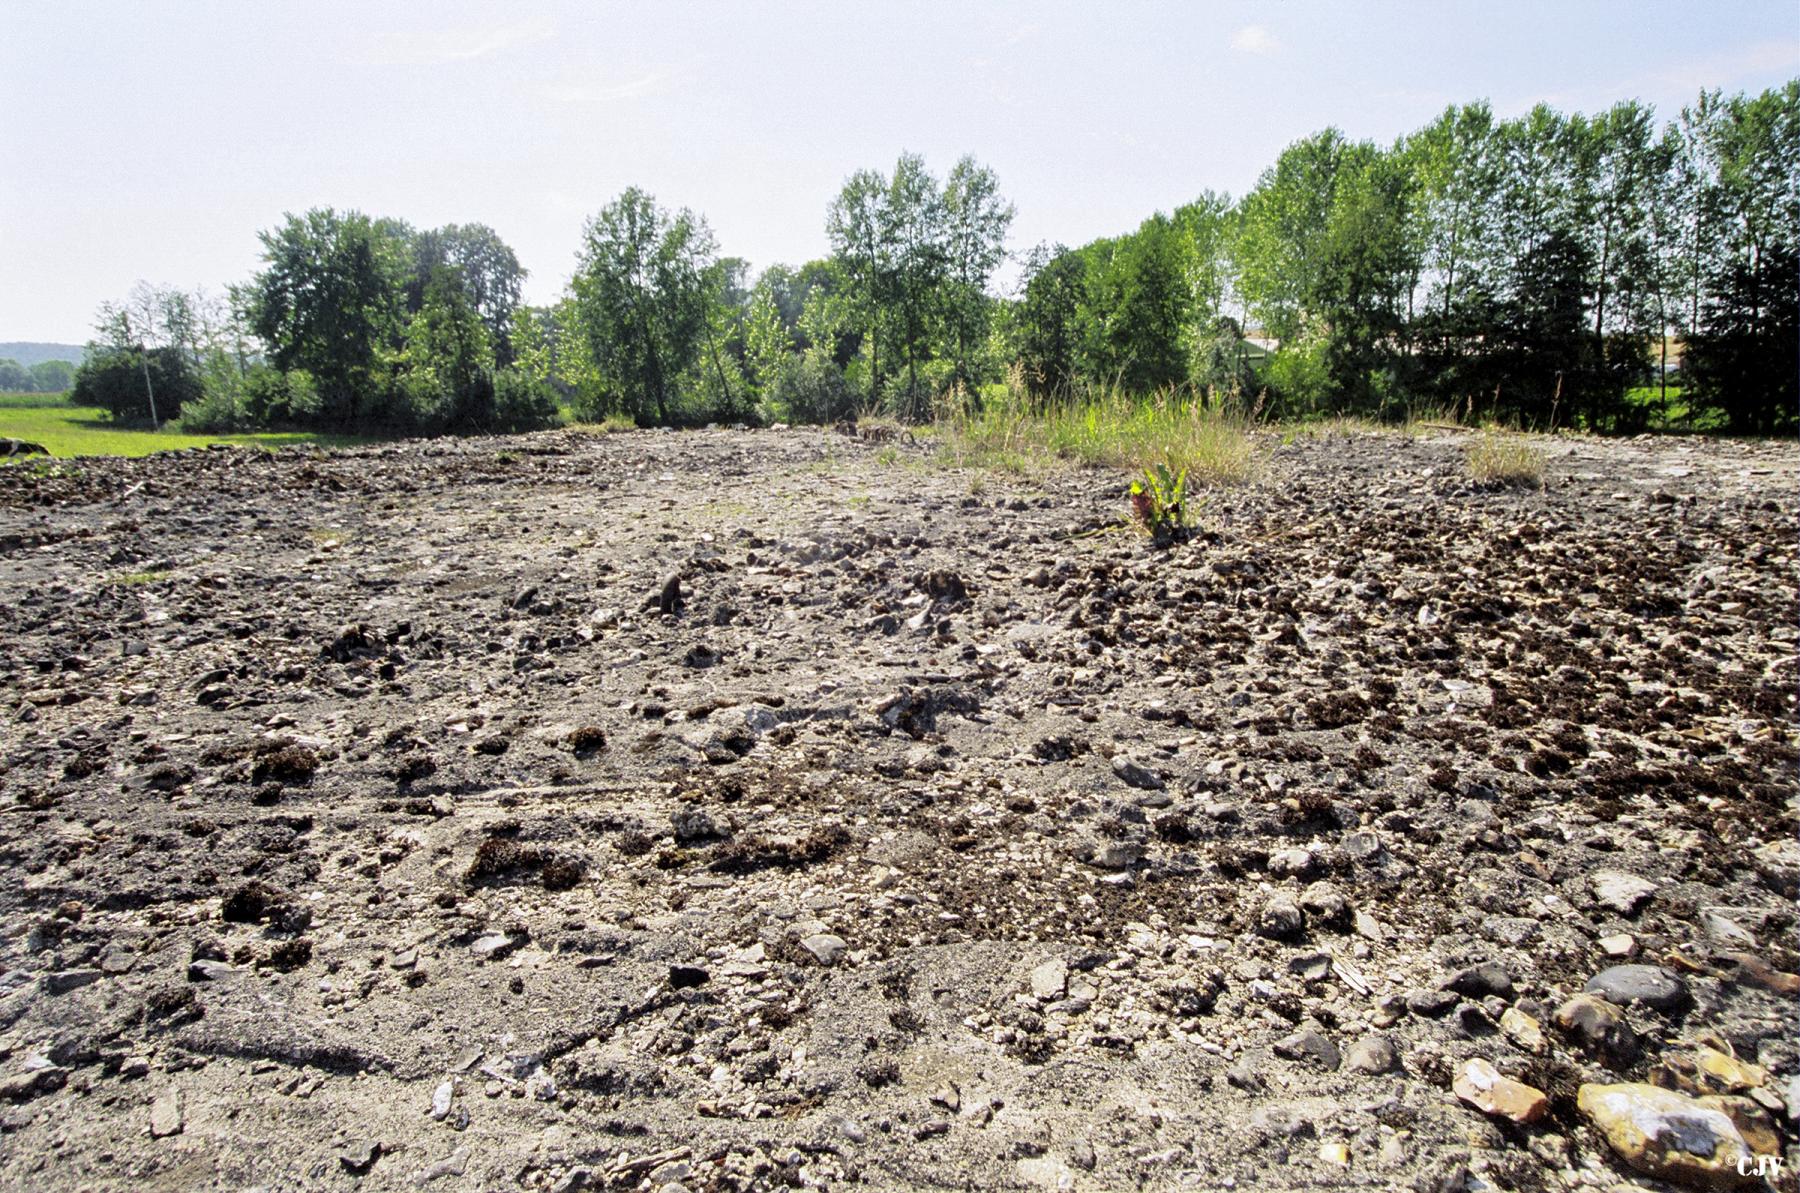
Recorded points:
(67, 431)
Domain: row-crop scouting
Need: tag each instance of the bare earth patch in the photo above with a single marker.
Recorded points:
(748, 809)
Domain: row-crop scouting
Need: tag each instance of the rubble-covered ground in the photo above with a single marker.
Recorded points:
(735, 809)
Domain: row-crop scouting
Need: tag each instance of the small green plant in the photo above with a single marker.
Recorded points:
(1158, 501)
(134, 579)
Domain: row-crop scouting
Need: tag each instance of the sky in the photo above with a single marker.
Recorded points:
(152, 140)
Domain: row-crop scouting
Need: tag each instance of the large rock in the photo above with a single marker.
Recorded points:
(1657, 988)
(1670, 1136)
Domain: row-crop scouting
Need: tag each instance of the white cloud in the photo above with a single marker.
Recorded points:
(1724, 70)
(586, 93)
(438, 47)
(1254, 39)
(1022, 33)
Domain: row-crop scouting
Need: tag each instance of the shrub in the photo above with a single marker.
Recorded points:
(217, 411)
(813, 391)
(271, 397)
(522, 402)
(114, 381)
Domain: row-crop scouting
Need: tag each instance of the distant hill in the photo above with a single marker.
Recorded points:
(28, 354)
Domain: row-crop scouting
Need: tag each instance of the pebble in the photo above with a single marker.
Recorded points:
(1280, 919)
(1480, 981)
(1050, 980)
(65, 980)
(166, 1114)
(1706, 1070)
(359, 1155)
(1621, 892)
(1480, 1085)
(1134, 774)
(1726, 931)
(825, 947)
(1657, 988)
(1311, 967)
(495, 946)
(36, 1080)
(1432, 1004)
(1373, 1055)
(440, 1100)
(686, 977)
(455, 1164)
(1324, 904)
(1291, 863)
(1311, 1045)
(1245, 1075)
(1117, 855)
(1620, 945)
(1524, 1031)
(1599, 1028)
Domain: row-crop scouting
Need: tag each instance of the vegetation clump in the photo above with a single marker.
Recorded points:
(1158, 502)
(1504, 459)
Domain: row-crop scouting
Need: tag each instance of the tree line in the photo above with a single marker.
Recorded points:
(1548, 269)
(45, 377)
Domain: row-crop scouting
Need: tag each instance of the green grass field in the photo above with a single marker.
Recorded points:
(87, 431)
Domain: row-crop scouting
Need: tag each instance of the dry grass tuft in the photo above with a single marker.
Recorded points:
(1506, 459)
(1206, 438)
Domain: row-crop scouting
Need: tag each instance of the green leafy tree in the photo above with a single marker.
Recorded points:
(769, 348)
(1046, 321)
(859, 224)
(1742, 346)
(644, 289)
(919, 268)
(115, 380)
(491, 274)
(449, 358)
(328, 300)
(975, 219)
(1214, 343)
(1136, 306)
